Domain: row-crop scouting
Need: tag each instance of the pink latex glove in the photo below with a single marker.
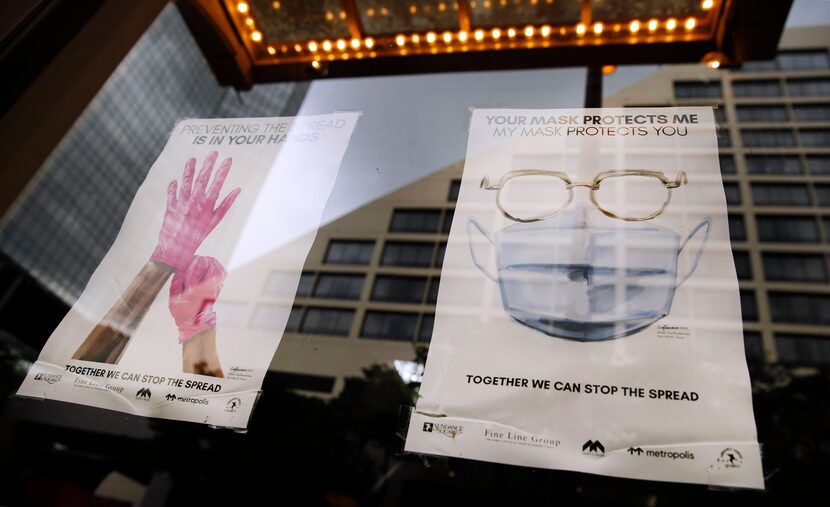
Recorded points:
(192, 294)
(191, 216)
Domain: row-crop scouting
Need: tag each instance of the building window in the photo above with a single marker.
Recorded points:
(780, 194)
(733, 193)
(810, 59)
(349, 252)
(407, 253)
(339, 286)
(447, 224)
(786, 267)
(797, 229)
(415, 220)
(737, 229)
(331, 321)
(304, 287)
(727, 164)
(812, 112)
(743, 267)
(823, 195)
(769, 113)
(762, 138)
(814, 87)
(794, 308)
(753, 346)
(399, 289)
(815, 138)
(439, 257)
(697, 89)
(758, 88)
(818, 164)
(749, 308)
(724, 140)
(773, 164)
(759, 66)
(720, 113)
(294, 319)
(427, 324)
(455, 186)
(397, 326)
(432, 295)
(803, 349)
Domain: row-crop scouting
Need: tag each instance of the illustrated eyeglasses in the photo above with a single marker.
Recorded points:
(633, 195)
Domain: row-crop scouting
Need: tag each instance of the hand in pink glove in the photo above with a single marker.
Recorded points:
(192, 294)
(191, 216)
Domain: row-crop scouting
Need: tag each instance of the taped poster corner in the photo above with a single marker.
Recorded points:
(228, 203)
(589, 302)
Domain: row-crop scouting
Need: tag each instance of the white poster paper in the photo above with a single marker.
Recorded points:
(589, 316)
(183, 315)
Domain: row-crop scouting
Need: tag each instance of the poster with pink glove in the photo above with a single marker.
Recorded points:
(165, 326)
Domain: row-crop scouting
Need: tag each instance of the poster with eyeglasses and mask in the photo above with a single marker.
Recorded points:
(589, 315)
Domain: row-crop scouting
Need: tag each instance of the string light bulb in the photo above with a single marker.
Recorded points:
(447, 37)
(598, 28)
(431, 37)
(652, 25)
(242, 7)
(479, 35)
(341, 44)
(369, 42)
(580, 29)
(400, 39)
(496, 33)
(707, 4)
(634, 26)
(312, 46)
(271, 50)
(690, 24)
(545, 31)
(671, 24)
(529, 31)
(462, 36)
(256, 36)
(355, 43)
(511, 32)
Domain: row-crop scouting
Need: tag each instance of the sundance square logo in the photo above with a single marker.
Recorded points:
(48, 377)
(450, 430)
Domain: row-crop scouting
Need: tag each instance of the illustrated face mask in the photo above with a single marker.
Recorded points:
(587, 280)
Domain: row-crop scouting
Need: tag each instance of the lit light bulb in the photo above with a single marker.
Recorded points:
(416, 38)
(691, 23)
(707, 4)
(355, 43)
(271, 50)
(329, 16)
(580, 29)
(327, 45)
(496, 33)
(316, 64)
(400, 40)
(511, 32)
(249, 21)
(431, 37)
(370, 12)
(714, 64)
(598, 28)
(529, 31)
(341, 44)
(298, 48)
(312, 46)
(634, 26)
(369, 42)
(442, 7)
(462, 36)
(242, 7)
(447, 37)
(671, 24)
(276, 5)
(413, 9)
(479, 35)
(256, 35)
(652, 25)
(545, 31)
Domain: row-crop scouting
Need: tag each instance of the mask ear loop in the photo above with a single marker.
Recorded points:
(472, 222)
(706, 225)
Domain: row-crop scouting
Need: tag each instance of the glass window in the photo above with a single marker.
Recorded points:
(787, 267)
(749, 308)
(724, 140)
(455, 186)
(753, 346)
(759, 66)
(811, 59)
(294, 319)
(742, 265)
(448, 215)
(780, 194)
(339, 286)
(818, 164)
(787, 307)
(727, 164)
(803, 349)
(399, 289)
(397, 326)
(733, 193)
(720, 114)
(762, 113)
(815, 138)
(737, 228)
(757, 88)
(304, 287)
(432, 296)
(773, 164)
(811, 87)
(439, 257)
(407, 253)
(425, 332)
(767, 138)
(812, 112)
(823, 195)
(798, 229)
(697, 89)
(415, 220)
(331, 321)
(349, 252)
